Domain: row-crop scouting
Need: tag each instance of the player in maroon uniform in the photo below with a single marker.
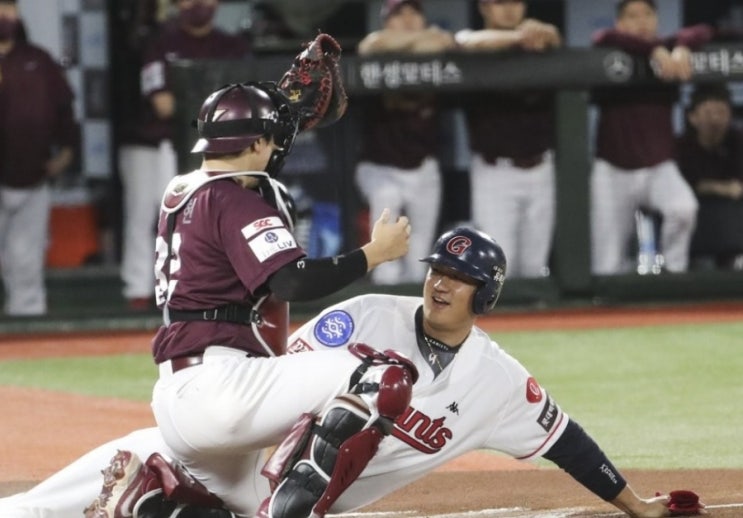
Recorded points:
(227, 264)
(511, 136)
(634, 165)
(398, 166)
(147, 159)
(35, 117)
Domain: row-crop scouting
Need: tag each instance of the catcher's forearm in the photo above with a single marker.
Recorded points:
(309, 279)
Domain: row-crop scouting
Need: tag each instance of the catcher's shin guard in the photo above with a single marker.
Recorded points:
(317, 462)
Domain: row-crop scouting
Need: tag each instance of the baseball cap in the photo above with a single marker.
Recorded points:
(709, 91)
(389, 7)
(621, 4)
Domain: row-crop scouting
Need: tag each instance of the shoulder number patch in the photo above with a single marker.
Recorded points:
(334, 329)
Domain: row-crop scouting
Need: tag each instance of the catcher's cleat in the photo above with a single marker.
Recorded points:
(191, 511)
(154, 505)
(125, 481)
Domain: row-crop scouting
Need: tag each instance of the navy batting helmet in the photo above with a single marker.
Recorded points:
(236, 115)
(477, 256)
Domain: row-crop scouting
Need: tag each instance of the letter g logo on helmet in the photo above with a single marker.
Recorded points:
(458, 245)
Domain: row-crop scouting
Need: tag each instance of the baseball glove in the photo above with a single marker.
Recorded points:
(683, 502)
(314, 86)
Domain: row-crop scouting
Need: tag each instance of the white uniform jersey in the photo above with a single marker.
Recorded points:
(484, 399)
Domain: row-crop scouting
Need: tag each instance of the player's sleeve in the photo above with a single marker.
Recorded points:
(579, 456)
(259, 248)
(630, 43)
(530, 422)
(65, 128)
(309, 279)
(153, 77)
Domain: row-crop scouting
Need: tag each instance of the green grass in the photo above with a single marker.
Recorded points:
(127, 376)
(653, 397)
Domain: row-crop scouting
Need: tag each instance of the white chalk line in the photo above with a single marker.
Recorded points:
(513, 512)
(724, 506)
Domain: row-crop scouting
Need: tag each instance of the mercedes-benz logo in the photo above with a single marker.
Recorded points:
(619, 66)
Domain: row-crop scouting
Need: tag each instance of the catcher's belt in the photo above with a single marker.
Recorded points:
(233, 313)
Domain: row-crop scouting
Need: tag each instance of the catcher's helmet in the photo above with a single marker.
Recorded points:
(477, 256)
(236, 115)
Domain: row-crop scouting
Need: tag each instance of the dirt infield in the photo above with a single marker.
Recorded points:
(42, 431)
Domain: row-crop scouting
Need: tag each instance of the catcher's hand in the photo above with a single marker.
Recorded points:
(314, 86)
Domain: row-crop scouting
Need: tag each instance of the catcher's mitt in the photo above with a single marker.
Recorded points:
(314, 86)
(683, 502)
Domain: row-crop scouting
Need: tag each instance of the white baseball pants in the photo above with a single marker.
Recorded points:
(517, 208)
(24, 227)
(415, 193)
(145, 172)
(615, 196)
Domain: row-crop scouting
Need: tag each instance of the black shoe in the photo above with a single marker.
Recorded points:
(154, 505)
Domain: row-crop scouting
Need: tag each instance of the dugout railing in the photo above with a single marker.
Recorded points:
(572, 73)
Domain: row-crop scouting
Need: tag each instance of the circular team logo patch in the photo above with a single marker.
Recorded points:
(533, 391)
(334, 329)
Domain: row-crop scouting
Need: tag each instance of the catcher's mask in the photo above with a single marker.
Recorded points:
(236, 115)
(477, 256)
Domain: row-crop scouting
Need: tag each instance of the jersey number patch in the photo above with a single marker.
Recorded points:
(165, 267)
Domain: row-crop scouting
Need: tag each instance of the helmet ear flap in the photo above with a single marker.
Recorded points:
(485, 297)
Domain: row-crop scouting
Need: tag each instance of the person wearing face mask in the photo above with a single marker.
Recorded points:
(38, 137)
(147, 159)
(710, 156)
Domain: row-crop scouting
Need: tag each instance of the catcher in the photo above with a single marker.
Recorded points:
(226, 266)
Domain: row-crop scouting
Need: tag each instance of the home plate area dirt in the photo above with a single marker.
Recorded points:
(41, 431)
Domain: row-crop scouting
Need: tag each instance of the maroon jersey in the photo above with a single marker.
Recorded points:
(227, 241)
(722, 163)
(510, 125)
(171, 44)
(400, 130)
(35, 114)
(635, 128)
